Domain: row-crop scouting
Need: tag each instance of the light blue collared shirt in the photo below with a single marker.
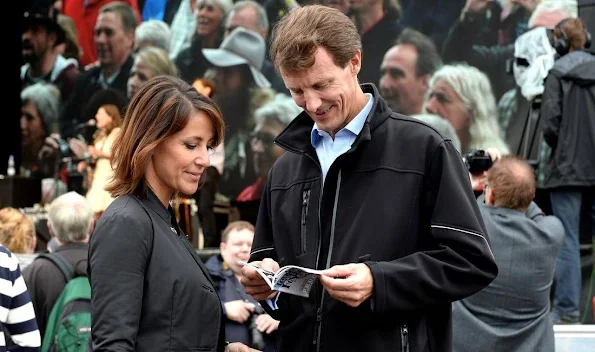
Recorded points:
(327, 149)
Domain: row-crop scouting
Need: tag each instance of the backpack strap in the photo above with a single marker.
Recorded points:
(65, 267)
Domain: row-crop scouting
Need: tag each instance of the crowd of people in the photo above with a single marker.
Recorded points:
(432, 162)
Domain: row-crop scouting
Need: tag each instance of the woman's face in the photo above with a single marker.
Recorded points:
(103, 118)
(445, 102)
(139, 75)
(31, 125)
(208, 18)
(178, 162)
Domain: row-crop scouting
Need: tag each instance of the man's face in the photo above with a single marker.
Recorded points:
(247, 18)
(36, 42)
(32, 131)
(326, 92)
(341, 5)
(359, 5)
(399, 85)
(237, 248)
(112, 41)
(264, 149)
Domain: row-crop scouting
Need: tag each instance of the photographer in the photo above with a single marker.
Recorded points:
(245, 321)
(512, 313)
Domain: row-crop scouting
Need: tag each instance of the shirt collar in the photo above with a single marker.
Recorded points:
(354, 126)
(105, 83)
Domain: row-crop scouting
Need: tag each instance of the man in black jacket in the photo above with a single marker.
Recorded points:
(379, 201)
(568, 115)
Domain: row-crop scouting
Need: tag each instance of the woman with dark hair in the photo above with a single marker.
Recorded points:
(150, 290)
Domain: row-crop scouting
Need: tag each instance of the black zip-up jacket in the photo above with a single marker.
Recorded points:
(568, 117)
(399, 201)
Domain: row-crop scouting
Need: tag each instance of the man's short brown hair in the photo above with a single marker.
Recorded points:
(298, 35)
(512, 182)
(235, 226)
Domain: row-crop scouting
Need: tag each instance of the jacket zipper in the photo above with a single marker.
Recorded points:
(305, 203)
(404, 338)
(318, 328)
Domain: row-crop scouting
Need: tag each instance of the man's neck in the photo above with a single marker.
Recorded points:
(43, 66)
(110, 70)
(367, 18)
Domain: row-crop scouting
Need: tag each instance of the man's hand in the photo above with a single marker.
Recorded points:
(351, 284)
(239, 347)
(478, 181)
(50, 147)
(78, 147)
(254, 284)
(238, 311)
(266, 324)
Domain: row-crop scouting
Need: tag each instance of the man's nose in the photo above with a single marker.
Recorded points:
(313, 101)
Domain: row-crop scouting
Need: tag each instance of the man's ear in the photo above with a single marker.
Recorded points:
(425, 80)
(222, 246)
(489, 198)
(51, 228)
(356, 63)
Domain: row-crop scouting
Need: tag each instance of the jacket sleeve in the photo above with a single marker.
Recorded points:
(118, 253)
(551, 111)
(263, 246)
(549, 223)
(458, 263)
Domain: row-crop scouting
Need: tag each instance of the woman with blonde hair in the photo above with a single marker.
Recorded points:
(462, 94)
(150, 61)
(108, 127)
(17, 231)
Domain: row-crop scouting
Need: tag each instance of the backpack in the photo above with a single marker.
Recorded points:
(69, 325)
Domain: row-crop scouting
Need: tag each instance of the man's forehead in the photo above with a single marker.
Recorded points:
(109, 20)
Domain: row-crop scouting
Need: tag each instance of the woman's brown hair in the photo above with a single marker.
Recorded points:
(160, 109)
(17, 231)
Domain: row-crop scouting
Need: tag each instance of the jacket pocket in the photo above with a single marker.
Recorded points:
(304, 221)
(404, 338)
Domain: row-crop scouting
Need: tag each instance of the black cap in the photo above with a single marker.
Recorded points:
(42, 12)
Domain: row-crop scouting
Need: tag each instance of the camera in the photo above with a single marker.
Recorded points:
(477, 161)
(255, 335)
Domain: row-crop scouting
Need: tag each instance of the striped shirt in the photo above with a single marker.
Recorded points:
(17, 316)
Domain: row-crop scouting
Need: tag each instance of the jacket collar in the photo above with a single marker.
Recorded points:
(296, 136)
(155, 204)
